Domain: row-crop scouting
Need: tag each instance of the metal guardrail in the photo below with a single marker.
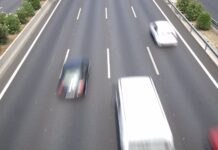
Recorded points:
(215, 23)
(193, 29)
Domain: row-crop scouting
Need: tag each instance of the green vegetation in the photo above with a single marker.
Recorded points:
(182, 5)
(3, 33)
(35, 3)
(13, 23)
(195, 12)
(3, 28)
(2, 17)
(194, 9)
(21, 13)
(26, 10)
(204, 21)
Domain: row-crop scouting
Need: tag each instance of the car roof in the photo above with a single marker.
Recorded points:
(140, 98)
(75, 63)
(163, 25)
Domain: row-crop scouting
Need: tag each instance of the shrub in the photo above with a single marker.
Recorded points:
(28, 8)
(25, 11)
(193, 10)
(3, 33)
(13, 23)
(204, 21)
(21, 14)
(2, 17)
(35, 3)
(182, 5)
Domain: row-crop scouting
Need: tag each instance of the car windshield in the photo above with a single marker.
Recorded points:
(164, 30)
(71, 77)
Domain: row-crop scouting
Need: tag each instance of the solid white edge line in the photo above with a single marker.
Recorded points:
(152, 60)
(26, 55)
(133, 11)
(190, 50)
(106, 13)
(77, 18)
(65, 59)
(108, 63)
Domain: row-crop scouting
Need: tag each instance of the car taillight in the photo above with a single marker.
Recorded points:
(81, 87)
(60, 88)
(213, 135)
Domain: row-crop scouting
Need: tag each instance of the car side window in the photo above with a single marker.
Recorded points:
(155, 26)
(118, 98)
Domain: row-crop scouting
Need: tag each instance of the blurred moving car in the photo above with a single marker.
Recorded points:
(163, 33)
(213, 138)
(73, 80)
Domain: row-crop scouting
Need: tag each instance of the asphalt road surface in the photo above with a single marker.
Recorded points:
(211, 7)
(33, 117)
(9, 5)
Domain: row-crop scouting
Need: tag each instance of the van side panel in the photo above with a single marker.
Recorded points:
(142, 121)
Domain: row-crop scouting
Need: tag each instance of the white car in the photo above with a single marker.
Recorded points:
(163, 33)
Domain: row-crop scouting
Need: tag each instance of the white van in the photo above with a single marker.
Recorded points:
(141, 118)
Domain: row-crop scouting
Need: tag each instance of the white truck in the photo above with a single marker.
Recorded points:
(141, 118)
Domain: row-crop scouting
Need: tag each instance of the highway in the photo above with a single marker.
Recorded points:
(114, 35)
(9, 5)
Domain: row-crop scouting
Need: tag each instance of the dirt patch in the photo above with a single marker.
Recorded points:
(212, 36)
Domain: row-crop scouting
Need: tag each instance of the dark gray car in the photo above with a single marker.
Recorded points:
(73, 80)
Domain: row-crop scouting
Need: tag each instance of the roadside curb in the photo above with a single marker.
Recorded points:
(17, 46)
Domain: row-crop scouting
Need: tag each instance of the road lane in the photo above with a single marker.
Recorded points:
(18, 110)
(128, 44)
(96, 125)
(188, 95)
(32, 117)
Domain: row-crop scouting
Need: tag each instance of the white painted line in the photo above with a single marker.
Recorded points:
(108, 64)
(153, 62)
(190, 50)
(65, 59)
(106, 16)
(27, 53)
(66, 56)
(133, 11)
(77, 18)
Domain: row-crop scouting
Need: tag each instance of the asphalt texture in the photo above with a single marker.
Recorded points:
(9, 5)
(33, 117)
